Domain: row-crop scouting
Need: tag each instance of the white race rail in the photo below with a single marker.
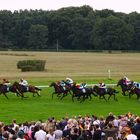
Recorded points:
(89, 85)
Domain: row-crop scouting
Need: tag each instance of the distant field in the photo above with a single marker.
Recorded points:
(76, 65)
(89, 67)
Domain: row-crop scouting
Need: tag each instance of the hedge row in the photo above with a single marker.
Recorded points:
(31, 65)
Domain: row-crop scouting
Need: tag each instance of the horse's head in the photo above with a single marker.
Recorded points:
(52, 84)
(120, 82)
(15, 83)
(95, 88)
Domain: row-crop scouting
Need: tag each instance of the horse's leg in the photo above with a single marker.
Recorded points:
(82, 99)
(17, 93)
(100, 97)
(5, 95)
(130, 94)
(58, 95)
(115, 98)
(70, 92)
(78, 97)
(104, 98)
(52, 94)
(90, 97)
(33, 94)
(73, 97)
(38, 93)
(63, 95)
(94, 94)
(124, 93)
(109, 97)
(22, 95)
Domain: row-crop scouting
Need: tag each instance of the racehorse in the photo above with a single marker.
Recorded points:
(4, 89)
(22, 89)
(134, 90)
(125, 88)
(102, 92)
(59, 90)
(78, 93)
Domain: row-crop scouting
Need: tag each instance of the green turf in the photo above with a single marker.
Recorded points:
(36, 108)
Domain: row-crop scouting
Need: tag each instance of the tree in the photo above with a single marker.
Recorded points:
(134, 19)
(112, 33)
(81, 30)
(38, 36)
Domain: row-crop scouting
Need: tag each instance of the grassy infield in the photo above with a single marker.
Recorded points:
(88, 67)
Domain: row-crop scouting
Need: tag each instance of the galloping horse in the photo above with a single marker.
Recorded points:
(134, 90)
(125, 88)
(102, 92)
(22, 89)
(59, 90)
(78, 93)
(4, 89)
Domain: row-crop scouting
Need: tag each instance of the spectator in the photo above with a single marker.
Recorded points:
(136, 127)
(109, 118)
(58, 133)
(50, 135)
(41, 134)
(97, 133)
(111, 131)
(20, 135)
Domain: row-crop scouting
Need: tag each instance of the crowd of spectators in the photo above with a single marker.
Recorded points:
(122, 127)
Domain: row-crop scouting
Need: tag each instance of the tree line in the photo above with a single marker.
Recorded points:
(74, 28)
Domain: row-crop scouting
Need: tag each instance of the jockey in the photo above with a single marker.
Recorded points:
(137, 85)
(83, 87)
(23, 82)
(69, 81)
(62, 84)
(6, 82)
(102, 85)
(126, 81)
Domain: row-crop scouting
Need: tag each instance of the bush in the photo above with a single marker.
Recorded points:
(31, 65)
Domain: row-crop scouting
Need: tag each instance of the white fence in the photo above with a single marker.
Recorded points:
(89, 85)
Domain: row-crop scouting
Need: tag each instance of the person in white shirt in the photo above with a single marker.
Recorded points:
(126, 80)
(6, 82)
(50, 135)
(41, 134)
(69, 81)
(23, 82)
(58, 133)
(102, 85)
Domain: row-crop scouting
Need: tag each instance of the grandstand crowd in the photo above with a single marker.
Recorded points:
(122, 127)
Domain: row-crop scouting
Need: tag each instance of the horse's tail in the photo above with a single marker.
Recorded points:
(38, 88)
(116, 91)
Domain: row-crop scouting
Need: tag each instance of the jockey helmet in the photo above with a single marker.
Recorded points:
(101, 83)
(58, 82)
(21, 79)
(125, 77)
(62, 81)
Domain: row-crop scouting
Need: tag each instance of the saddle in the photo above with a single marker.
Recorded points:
(103, 89)
(24, 88)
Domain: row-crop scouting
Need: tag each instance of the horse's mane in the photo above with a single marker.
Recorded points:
(15, 83)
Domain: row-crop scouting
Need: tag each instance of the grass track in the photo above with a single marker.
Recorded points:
(35, 108)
